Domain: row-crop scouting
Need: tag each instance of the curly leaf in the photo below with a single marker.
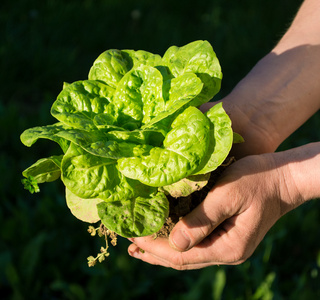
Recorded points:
(104, 145)
(138, 216)
(79, 103)
(110, 67)
(221, 138)
(183, 87)
(150, 136)
(31, 135)
(138, 96)
(184, 147)
(113, 64)
(197, 57)
(45, 169)
(89, 176)
(143, 58)
(178, 93)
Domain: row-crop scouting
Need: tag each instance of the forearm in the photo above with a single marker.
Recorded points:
(282, 91)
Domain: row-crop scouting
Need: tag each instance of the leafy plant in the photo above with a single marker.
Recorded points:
(132, 134)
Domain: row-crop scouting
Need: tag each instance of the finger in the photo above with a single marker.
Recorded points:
(221, 247)
(198, 224)
(150, 258)
(159, 247)
(147, 257)
(172, 261)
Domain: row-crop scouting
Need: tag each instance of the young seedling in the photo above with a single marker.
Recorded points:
(133, 138)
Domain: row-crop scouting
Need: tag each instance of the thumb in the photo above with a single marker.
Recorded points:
(199, 223)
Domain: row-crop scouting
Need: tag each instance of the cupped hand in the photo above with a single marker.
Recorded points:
(229, 224)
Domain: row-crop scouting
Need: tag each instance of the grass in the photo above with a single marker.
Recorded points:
(43, 248)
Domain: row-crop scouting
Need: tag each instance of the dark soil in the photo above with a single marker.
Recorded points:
(181, 206)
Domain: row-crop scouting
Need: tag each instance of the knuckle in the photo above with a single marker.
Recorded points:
(199, 227)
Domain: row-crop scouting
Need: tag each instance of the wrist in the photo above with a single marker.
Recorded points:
(244, 120)
(304, 165)
(252, 118)
(298, 171)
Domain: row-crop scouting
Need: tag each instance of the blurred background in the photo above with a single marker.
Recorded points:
(43, 248)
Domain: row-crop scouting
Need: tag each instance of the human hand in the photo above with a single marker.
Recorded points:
(229, 224)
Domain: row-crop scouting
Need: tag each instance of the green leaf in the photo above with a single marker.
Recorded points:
(138, 97)
(103, 144)
(143, 58)
(178, 94)
(211, 86)
(31, 135)
(83, 209)
(221, 138)
(237, 138)
(197, 57)
(150, 136)
(106, 121)
(183, 87)
(113, 64)
(187, 186)
(45, 169)
(89, 176)
(110, 67)
(184, 147)
(133, 217)
(79, 103)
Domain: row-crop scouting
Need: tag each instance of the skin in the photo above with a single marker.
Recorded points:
(261, 186)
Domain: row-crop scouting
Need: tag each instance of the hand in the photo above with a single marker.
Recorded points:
(255, 191)
(229, 224)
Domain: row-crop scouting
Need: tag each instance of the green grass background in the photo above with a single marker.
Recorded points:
(43, 248)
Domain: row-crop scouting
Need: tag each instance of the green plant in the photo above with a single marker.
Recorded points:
(132, 134)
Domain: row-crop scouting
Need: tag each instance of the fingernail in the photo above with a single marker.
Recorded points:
(180, 240)
(135, 254)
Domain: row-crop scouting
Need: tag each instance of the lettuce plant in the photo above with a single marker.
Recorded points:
(132, 134)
